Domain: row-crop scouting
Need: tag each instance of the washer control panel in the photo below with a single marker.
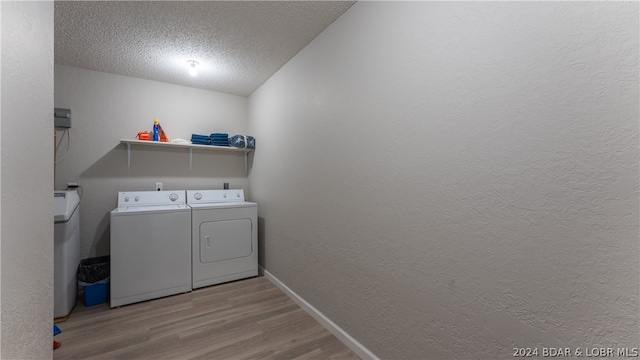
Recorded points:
(214, 196)
(151, 198)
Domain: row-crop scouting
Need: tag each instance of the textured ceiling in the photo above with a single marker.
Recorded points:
(239, 44)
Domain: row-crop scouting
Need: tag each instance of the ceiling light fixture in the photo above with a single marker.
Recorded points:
(193, 67)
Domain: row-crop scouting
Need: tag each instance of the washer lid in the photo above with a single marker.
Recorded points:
(65, 204)
(126, 210)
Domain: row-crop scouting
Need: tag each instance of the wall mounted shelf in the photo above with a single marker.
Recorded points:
(130, 142)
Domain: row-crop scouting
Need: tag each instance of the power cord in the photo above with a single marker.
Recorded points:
(66, 131)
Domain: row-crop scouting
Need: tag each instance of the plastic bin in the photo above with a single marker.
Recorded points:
(93, 276)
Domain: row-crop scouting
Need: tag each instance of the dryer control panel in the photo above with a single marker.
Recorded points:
(214, 196)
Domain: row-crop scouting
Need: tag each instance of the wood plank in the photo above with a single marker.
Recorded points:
(244, 319)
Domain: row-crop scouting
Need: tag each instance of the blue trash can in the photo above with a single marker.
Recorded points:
(93, 276)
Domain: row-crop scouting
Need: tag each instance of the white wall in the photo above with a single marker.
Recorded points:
(27, 179)
(456, 179)
(106, 108)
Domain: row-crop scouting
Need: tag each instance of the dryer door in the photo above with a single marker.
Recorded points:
(225, 240)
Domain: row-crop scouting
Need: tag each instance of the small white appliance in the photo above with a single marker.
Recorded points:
(150, 246)
(66, 251)
(224, 234)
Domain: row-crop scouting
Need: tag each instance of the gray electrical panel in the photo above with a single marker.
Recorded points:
(62, 118)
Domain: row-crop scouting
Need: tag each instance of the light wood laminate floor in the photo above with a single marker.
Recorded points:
(247, 319)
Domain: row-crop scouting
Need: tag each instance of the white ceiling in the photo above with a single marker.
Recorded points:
(239, 44)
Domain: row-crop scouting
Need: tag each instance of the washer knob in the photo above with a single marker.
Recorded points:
(137, 198)
(173, 197)
(238, 195)
(126, 199)
(224, 196)
(197, 196)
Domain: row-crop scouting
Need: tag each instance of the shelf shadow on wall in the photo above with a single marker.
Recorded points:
(146, 161)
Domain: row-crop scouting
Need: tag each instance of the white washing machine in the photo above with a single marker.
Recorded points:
(66, 251)
(150, 246)
(224, 234)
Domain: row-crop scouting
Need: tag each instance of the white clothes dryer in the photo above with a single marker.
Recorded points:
(150, 246)
(224, 236)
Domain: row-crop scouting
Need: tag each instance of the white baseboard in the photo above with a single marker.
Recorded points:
(342, 335)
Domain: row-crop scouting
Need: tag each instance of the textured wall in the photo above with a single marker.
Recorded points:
(458, 179)
(106, 108)
(27, 179)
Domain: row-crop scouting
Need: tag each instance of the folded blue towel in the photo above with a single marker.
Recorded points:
(200, 136)
(219, 135)
(242, 141)
(201, 142)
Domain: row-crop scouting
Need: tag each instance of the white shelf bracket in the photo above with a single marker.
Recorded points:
(246, 161)
(190, 157)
